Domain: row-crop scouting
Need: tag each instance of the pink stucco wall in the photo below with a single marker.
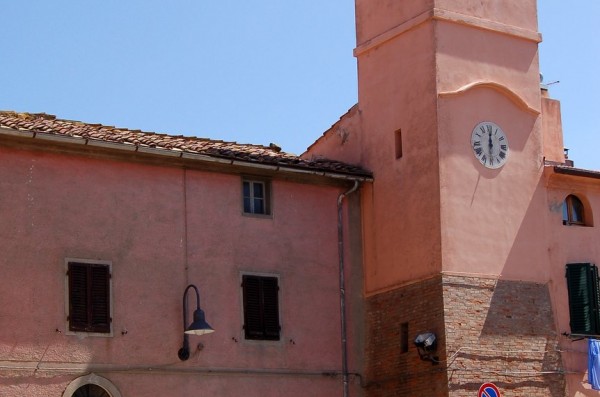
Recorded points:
(433, 70)
(375, 18)
(428, 71)
(424, 72)
(396, 89)
(552, 128)
(162, 228)
(570, 244)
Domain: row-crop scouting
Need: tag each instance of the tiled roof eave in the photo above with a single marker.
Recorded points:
(568, 170)
(287, 163)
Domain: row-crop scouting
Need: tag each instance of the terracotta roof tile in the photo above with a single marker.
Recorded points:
(270, 155)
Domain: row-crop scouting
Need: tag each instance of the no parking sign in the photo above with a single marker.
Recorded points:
(488, 390)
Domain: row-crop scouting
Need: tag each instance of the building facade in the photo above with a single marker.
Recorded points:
(434, 240)
(468, 227)
(101, 238)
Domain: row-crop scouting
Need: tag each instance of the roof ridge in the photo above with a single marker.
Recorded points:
(27, 115)
(51, 117)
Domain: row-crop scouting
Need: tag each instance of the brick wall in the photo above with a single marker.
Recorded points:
(389, 371)
(501, 332)
(487, 331)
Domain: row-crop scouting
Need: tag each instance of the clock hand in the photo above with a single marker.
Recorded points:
(490, 144)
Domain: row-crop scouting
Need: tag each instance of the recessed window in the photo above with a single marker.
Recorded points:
(573, 211)
(584, 298)
(404, 338)
(89, 297)
(256, 196)
(261, 307)
(398, 143)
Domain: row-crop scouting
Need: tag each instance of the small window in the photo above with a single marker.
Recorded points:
(89, 297)
(261, 307)
(398, 143)
(584, 298)
(573, 213)
(256, 197)
(404, 338)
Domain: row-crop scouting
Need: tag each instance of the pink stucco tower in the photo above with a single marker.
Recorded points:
(449, 120)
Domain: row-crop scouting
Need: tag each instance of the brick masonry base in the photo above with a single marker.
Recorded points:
(487, 331)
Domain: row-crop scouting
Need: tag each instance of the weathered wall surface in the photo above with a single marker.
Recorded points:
(390, 371)
(502, 332)
(571, 244)
(162, 228)
(487, 330)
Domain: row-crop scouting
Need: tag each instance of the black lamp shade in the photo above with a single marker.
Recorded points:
(199, 326)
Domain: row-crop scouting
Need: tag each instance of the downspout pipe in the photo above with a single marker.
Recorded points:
(340, 225)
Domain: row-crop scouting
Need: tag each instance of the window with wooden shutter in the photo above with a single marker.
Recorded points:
(584, 298)
(89, 297)
(261, 307)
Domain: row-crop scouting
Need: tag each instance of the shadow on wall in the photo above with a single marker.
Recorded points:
(520, 324)
(503, 333)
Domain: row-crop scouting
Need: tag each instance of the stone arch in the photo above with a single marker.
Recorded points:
(91, 379)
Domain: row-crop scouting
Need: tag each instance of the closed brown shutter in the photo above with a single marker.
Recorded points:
(270, 292)
(89, 297)
(78, 301)
(261, 307)
(99, 299)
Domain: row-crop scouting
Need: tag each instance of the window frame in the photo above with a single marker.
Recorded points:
(267, 189)
(569, 206)
(266, 333)
(583, 292)
(98, 331)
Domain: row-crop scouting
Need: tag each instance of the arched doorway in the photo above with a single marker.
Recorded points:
(91, 385)
(91, 391)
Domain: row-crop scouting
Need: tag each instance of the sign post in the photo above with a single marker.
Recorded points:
(488, 390)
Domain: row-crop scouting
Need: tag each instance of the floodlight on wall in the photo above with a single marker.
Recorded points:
(426, 344)
(198, 327)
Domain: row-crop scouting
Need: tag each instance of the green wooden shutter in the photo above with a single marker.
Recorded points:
(595, 282)
(584, 298)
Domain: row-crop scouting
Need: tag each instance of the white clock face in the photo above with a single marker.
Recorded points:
(489, 144)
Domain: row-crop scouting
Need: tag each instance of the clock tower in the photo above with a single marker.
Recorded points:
(449, 121)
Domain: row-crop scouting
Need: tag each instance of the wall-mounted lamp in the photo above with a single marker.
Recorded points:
(198, 327)
(426, 344)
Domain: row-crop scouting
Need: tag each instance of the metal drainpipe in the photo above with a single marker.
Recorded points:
(343, 287)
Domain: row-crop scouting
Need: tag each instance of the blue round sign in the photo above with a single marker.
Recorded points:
(489, 390)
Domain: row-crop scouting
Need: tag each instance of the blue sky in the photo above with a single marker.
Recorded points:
(246, 71)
